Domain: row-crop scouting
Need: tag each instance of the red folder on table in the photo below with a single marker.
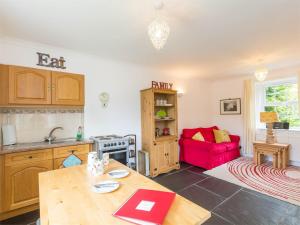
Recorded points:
(146, 207)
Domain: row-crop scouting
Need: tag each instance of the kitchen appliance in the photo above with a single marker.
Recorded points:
(116, 146)
(9, 134)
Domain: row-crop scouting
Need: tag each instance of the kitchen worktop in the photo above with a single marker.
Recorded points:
(22, 147)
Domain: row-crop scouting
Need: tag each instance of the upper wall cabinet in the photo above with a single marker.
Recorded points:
(67, 89)
(28, 86)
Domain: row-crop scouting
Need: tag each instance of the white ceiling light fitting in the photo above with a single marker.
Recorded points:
(262, 72)
(158, 30)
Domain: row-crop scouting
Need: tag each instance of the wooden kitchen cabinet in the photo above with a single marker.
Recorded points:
(60, 154)
(67, 89)
(22, 86)
(25, 85)
(21, 183)
(19, 176)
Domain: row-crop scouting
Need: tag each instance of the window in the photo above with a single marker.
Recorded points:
(279, 96)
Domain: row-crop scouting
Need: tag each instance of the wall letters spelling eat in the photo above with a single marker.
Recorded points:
(47, 61)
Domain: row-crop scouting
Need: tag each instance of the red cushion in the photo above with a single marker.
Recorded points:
(189, 133)
(208, 133)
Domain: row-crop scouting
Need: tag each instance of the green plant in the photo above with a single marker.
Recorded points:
(161, 113)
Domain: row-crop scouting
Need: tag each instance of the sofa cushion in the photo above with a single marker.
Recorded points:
(198, 137)
(208, 133)
(189, 133)
(218, 148)
(221, 136)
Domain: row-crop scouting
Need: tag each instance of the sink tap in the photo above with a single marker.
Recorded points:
(51, 137)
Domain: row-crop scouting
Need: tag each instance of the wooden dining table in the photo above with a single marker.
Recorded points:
(67, 198)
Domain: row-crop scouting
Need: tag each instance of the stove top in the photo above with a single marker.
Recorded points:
(107, 137)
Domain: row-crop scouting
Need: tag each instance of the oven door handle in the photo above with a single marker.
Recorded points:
(111, 153)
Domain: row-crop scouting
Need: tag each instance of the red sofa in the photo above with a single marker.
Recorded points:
(207, 154)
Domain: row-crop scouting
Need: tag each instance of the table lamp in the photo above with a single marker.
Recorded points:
(269, 118)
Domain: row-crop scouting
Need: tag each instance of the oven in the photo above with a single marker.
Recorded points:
(121, 155)
(116, 146)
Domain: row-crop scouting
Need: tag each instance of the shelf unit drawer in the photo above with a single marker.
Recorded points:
(28, 157)
(66, 151)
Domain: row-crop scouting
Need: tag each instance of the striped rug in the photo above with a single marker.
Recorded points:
(283, 184)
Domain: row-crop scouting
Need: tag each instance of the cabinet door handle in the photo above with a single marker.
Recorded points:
(30, 157)
(72, 151)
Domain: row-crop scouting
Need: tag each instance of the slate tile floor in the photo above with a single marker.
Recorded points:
(230, 204)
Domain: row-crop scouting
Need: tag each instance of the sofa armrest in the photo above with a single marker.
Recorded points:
(234, 138)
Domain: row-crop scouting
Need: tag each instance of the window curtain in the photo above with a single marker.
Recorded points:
(249, 116)
(298, 78)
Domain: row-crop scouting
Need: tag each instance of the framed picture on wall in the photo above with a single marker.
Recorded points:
(231, 106)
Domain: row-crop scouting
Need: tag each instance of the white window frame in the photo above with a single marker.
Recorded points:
(260, 98)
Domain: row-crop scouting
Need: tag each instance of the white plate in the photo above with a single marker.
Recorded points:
(106, 189)
(118, 173)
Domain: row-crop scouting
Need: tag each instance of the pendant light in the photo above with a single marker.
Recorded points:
(262, 72)
(158, 30)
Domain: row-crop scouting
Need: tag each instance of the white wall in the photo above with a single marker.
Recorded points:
(224, 89)
(122, 81)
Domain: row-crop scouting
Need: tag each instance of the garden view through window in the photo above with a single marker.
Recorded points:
(283, 99)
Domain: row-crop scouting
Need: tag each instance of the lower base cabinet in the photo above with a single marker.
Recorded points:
(61, 154)
(22, 185)
(165, 156)
(19, 185)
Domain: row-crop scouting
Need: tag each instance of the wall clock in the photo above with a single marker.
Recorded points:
(104, 98)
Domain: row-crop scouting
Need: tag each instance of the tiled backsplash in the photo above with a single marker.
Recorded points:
(32, 125)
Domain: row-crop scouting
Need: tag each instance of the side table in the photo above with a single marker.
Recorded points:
(279, 152)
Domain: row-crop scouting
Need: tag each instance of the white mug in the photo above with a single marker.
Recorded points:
(105, 159)
(98, 168)
(92, 157)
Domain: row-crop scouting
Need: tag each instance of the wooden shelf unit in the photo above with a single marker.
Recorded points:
(163, 150)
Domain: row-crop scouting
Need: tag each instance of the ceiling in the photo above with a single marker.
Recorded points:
(209, 38)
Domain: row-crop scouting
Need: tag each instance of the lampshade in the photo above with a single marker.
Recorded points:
(158, 32)
(268, 117)
(261, 74)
